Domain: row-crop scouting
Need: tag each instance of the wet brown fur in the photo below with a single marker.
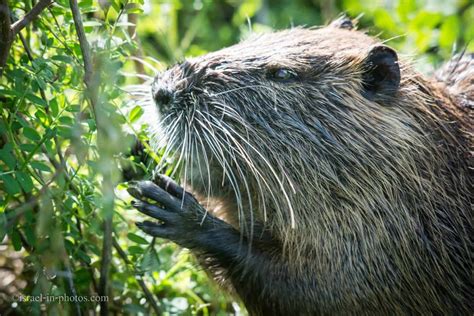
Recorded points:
(369, 199)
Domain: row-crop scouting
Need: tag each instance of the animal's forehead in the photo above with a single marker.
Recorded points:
(296, 42)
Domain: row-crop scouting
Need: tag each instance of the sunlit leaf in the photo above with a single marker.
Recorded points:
(135, 114)
(35, 99)
(135, 238)
(449, 31)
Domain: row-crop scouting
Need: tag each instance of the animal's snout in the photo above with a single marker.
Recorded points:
(173, 88)
(163, 94)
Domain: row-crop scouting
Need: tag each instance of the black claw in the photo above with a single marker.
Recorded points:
(154, 229)
(155, 211)
(174, 209)
(135, 192)
(169, 185)
(150, 190)
(147, 189)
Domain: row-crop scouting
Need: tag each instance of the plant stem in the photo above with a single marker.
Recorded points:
(92, 81)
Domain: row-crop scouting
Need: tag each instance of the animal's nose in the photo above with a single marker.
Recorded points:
(163, 96)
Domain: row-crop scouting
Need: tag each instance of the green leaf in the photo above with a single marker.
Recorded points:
(92, 24)
(53, 106)
(135, 250)
(66, 120)
(25, 181)
(74, 108)
(31, 134)
(35, 99)
(133, 8)
(95, 250)
(149, 261)
(10, 92)
(43, 117)
(41, 83)
(40, 166)
(116, 5)
(384, 20)
(11, 185)
(3, 225)
(65, 131)
(16, 240)
(449, 32)
(135, 114)
(7, 156)
(20, 120)
(82, 276)
(135, 238)
(30, 233)
(63, 58)
(27, 147)
(84, 257)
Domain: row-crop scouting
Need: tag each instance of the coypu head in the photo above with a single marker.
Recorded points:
(321, 118)
(339, 148)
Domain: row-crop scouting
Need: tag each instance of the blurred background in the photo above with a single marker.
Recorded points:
(66, 225)
(428, 29)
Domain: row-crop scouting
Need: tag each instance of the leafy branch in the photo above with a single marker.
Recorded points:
(92, 89)
(8, 31)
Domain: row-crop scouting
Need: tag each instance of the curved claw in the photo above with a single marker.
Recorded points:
(153, 211)
(181, 218)
(155, 230)
(148, 189)
(169, 185)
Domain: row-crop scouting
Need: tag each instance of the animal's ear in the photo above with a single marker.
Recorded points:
(381, 72)
(342, 23)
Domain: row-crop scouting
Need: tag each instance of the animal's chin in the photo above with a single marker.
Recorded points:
(205, 176)
(199, 167)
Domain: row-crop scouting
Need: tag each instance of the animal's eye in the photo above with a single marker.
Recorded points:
(218, 65)
(282, 74)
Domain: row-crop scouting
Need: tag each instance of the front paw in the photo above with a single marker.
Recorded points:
(180, 216)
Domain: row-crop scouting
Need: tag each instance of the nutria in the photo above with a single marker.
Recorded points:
(336, 177)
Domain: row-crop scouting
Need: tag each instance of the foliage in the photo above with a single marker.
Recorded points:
(64, 144)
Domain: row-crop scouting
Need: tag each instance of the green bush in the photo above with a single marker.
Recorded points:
(68, 123)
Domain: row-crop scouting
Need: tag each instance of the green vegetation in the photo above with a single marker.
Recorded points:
(67, 124)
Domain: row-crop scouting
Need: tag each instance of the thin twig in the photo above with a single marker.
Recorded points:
(105, 263)
(137, 52)
(82, 248)
(13, 215)
(84, 44)
(43, 96)
(148, 294)
(64, 39)
(5, 34)
(70, 282)
(8, 31)
(30, 16)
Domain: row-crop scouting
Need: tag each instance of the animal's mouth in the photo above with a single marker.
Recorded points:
(215, 149)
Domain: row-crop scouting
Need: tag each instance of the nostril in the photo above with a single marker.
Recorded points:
(163, 96)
